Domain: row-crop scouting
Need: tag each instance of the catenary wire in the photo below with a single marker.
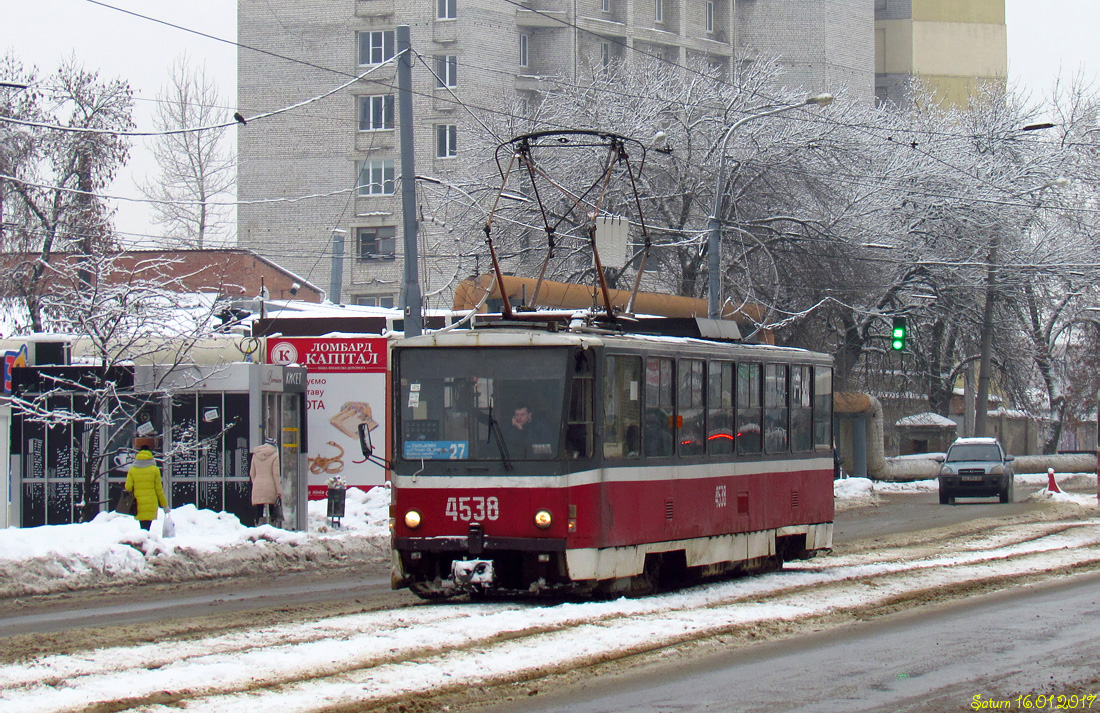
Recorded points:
(467, 106)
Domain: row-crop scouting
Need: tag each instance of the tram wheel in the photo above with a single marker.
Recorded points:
(648, 581)
(426, 591)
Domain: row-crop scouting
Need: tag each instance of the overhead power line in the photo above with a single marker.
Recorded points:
(454, 99)
(238, 119)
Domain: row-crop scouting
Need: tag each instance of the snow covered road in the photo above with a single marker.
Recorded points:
(390, 656)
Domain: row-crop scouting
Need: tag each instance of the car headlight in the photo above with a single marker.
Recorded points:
(412, 519)
(543, 519)
(997, 470)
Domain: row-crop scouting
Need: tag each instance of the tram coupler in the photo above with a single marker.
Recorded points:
(475, 539)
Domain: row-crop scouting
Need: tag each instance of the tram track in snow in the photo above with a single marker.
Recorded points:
(376, 659)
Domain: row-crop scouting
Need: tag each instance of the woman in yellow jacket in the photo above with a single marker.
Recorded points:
(143, 480)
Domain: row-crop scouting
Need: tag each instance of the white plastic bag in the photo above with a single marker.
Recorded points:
(168, 528)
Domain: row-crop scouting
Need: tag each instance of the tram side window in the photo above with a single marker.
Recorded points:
(748, 409)
(622, 407)
(578, 434)
(720, 408)
(801, 409)
(775, 408)
(823, 408)
(690, 408)
(659, 413)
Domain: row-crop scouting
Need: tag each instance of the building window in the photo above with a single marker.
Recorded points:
(659, 10)
(446, 141)
(605, 5)
(375, 47)
(376, 244)
(374, 301)
(605, 53)
(376, 112)
(445, 9)
(710, 16)
(376, 177)
(524, 46)
(446, 70)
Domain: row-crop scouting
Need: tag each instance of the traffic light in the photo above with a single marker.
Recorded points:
(897, 339)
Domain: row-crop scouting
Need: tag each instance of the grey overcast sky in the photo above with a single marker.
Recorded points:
(1045, 39)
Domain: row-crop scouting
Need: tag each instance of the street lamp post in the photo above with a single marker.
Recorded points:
(714, 224)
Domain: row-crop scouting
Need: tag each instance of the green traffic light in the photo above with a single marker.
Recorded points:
(898, 342)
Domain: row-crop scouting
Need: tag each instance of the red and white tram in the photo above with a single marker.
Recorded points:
(645, 460)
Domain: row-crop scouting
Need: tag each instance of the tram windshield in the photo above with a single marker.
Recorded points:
(496, 404)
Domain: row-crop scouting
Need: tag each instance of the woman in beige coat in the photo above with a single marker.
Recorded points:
(265, 474)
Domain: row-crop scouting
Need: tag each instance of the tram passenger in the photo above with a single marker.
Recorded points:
(526, 436)
(633, 442)
(658, 438)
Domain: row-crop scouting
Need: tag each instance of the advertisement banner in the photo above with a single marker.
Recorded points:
(346, 386)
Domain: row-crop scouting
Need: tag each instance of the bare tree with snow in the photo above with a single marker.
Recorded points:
(120, 315)
(833, 222)
(52, 199)
(197, 167)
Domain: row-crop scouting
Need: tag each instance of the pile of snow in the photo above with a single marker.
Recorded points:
(851, 493)
(113, 549)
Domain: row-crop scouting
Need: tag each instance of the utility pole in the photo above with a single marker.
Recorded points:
(411, 299)
(969, 402)
(982, 408)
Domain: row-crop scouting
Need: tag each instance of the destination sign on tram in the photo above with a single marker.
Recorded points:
(436, 450)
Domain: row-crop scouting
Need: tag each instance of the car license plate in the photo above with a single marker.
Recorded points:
(972, 478)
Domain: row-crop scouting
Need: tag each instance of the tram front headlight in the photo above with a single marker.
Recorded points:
(412, 519)
(543, 519)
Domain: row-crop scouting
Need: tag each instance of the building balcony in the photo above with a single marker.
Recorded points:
(385, 140)
(445, 31)
(543, 18)
(444, 100)
(528, 82)
(374, 8)
(603, 27)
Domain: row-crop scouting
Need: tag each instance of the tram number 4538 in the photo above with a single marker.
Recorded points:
(473, 509)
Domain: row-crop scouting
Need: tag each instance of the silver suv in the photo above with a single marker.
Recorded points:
(975, 468)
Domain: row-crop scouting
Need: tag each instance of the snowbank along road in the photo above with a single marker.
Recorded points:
(428, 657)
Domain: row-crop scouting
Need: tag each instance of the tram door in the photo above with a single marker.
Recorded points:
(282, 420)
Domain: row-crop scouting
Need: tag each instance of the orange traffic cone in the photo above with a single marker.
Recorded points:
(1052, 484)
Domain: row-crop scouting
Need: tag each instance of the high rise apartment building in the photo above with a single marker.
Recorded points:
(325, 174)
(950, 46)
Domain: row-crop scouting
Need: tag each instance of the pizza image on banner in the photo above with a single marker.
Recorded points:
(346, 388)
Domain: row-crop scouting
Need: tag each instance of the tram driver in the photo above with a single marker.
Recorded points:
(526, 436)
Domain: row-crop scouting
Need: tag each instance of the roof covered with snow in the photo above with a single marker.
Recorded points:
(926, 419)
